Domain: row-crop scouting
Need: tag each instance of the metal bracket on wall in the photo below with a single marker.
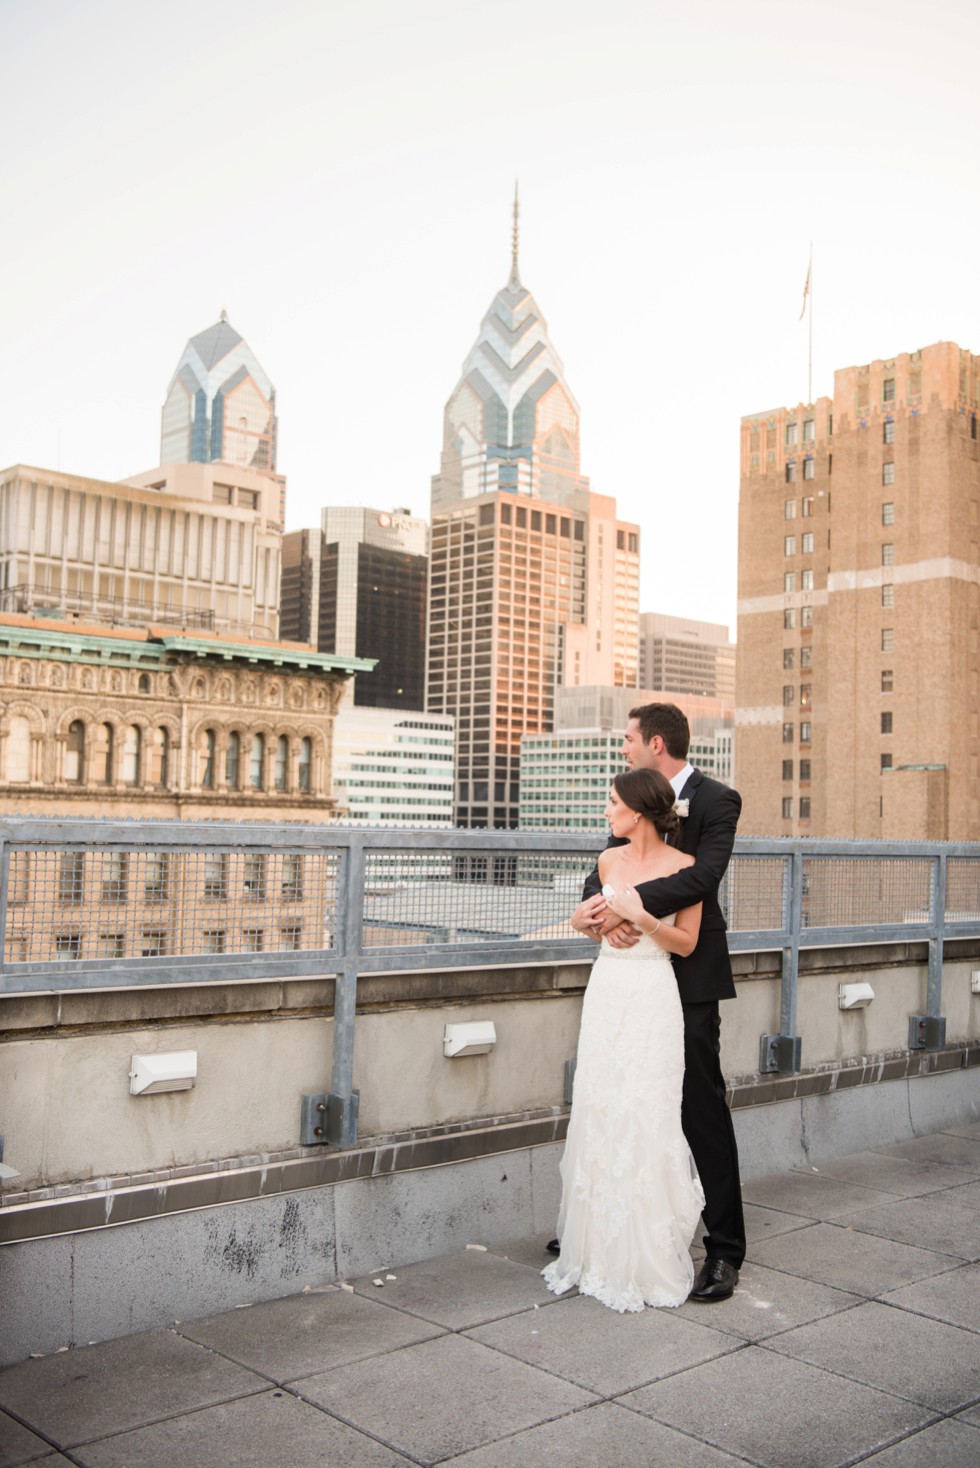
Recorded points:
(569, 1080)
(782, 1053)
(328, 1119)
(927, 1031)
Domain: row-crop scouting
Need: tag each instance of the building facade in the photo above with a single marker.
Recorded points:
(358, 587)
(533, 580)
(160, 723)
(859, 605)
(680, 655)
(393, 766)
(186, 545)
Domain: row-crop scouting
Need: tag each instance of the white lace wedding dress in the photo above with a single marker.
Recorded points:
(631, 1196)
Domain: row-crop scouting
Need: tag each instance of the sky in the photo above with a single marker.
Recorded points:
(340, 178)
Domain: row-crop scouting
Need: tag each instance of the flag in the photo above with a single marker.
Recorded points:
(806, 288)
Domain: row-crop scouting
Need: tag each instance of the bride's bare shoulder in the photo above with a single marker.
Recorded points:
(682, 860)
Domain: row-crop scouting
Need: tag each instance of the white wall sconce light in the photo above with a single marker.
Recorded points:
(174, 1071)
(854, 996)
(975, 981)
(477, 1037)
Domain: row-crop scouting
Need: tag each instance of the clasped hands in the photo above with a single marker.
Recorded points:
(609, 917)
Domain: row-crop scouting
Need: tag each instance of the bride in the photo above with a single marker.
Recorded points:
(631, 1196)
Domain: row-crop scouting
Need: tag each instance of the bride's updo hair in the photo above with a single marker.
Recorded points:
(650, 795)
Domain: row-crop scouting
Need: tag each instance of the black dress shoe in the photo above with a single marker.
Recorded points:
(716, 1281)
(553, 1246)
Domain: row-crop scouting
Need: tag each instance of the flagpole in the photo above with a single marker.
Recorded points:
(809, 378)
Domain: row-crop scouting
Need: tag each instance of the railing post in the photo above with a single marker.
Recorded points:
(331, 1117)
(783, 1052)
(928, 1031)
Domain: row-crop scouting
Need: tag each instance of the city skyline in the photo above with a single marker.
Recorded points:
(674, 167)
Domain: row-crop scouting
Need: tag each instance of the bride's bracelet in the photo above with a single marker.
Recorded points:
(656, 930)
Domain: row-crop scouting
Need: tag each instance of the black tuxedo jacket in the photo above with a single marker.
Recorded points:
(707, 834)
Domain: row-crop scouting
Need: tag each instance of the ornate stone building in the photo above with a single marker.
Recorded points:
(158, 722)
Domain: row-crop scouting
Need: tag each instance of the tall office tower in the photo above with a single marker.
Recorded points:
(534, 582)
(678, 655)
(221, 407)
(859, 611)
(360, 582)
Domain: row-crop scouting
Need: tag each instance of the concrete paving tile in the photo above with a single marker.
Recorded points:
(947, 1227)
(810, 1195)
(946, 1147)
(904, 1176)
(839, 1256)
(531, 1252)
(924, 1360)
(953, 1297)
(970, 1129)
(585, 1342)
(19, 1445)
(254, 1432)
(442, 1397)
(768, 1301)
(460, 1290)
(966, 1194)
(80, 1395)
(766, 1223)
(948, 1444)
(605, 1436)
(810, 1418)
(973, 1416)
(303, 1334)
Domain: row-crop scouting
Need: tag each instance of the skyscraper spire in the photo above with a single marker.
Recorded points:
(515, 278)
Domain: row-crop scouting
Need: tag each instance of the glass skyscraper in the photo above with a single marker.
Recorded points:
(220, 405)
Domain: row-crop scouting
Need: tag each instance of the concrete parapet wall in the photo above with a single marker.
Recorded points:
(69, 1122)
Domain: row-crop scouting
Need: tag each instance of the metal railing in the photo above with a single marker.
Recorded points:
(88, 904)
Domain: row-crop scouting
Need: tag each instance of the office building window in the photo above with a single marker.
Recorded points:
(804, 807)
(808, 468)
(804, 769)
(809, 433)
(789, 695)
(256, 763)
(888, 639)
(788, 657)
(806, 657)
(791, 439)
(789, 617)
(789, 509)
(791, 472)
(75, 752)
(888, 431)
(232, 756)
(806, 504)
(888, 473)
(805, 731)
(886, 762)
(789, 580)
(806, 580)
(806, 616)
(888, 554)
(787, 769)
(789, 545)
(887, 680)
(886, 723)
(888, 390)
(888, 595)
(804, 695)
(788, 732)
(787, 807)
(806, 544)
(888, 512)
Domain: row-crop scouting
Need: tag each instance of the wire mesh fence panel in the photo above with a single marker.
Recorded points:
(751, 893)
(842, 892)
(433, 897)
(69, 903)
(962, 890)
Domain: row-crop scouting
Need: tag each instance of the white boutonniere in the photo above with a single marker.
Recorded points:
(682, 807)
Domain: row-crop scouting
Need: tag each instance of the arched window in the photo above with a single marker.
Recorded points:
(207, 766)
(256, 762)
(132, 745)
(102, 755)
(305, 760)
(18, 749)
(232, 756)
(159, 756)
(144, 683)
(74, 770)
(282, 756)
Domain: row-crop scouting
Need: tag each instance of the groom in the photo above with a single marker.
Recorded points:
(658, 738)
